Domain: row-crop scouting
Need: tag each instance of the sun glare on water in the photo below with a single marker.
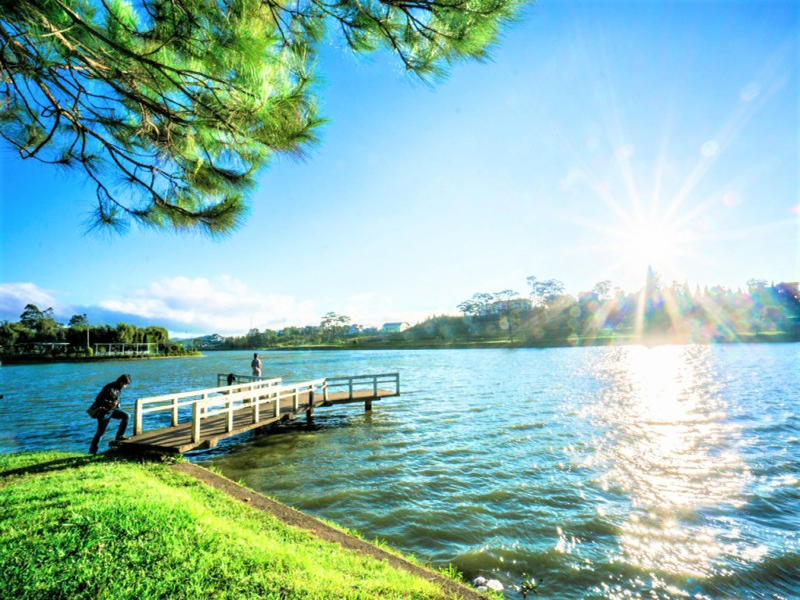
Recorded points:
(672, 449)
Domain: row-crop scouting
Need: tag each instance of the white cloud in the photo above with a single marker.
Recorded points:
(222, 305)
(362, 298)
(14, 297)
(201, 305)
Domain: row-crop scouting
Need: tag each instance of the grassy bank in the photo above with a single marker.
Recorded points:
(73, 526)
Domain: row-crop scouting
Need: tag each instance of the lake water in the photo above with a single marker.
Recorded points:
(622, 472)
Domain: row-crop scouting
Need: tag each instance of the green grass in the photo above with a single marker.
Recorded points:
(74, 526)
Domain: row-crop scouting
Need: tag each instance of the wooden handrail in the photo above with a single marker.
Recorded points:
(243, 378)
(172, 401)
(345, 378)
(258, 392)
(259, 383)
(227, 399)
(352, 381)
(201, 408)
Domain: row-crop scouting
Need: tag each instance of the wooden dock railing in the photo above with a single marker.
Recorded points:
(173, 402)
(357, 382)
(222, 378)
(257, 397)
(232, 409)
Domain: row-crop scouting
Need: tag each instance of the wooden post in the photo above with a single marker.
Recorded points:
(375, 386)
(175, 412)
(137, 417)
(278, 404)
(310, 411)
(397, 383)
(195, 422)
(256, 405)
(295, 404)
(350, 387)
(325, 391)
(229, 424)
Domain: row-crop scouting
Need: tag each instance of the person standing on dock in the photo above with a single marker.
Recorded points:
(106, 407)
(256, 366)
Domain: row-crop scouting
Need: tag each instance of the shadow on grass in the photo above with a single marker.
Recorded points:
(53, 465)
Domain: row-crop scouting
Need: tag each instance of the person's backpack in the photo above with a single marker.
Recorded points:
(95, 411)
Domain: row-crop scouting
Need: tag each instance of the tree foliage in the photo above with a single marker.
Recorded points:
(170, 107)
(78, 321)
(40, 327)
(545, 292)
(656, 311)
(31, 316)
(604, 314)
(334, 325)
(477, 305)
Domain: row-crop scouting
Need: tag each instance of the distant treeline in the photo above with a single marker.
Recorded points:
(548, 316)
(333, 329)
(37, 332)
(655, 311)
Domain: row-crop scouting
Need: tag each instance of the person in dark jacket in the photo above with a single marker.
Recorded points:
(106, 407)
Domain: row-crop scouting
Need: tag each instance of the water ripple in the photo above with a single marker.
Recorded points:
(613, 472)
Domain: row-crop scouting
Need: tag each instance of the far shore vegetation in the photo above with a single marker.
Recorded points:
(38, 337)
(78, 526)
(546, 316)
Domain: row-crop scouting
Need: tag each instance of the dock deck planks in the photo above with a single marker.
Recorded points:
(178, 439)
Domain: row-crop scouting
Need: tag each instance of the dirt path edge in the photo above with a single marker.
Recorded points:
(295, 518)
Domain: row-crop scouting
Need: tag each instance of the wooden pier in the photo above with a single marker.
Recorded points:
(200, 418)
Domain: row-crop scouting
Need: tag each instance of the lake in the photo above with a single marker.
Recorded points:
(613, 472)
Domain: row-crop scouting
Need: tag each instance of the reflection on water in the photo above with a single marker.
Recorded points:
(672, 451)
(629, 472)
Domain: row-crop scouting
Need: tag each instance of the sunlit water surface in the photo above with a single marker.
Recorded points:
(610, 472)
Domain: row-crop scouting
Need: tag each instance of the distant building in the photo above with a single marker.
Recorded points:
(394, 327)
(355, 329)
(118, 349)
(211, 341)
(41, 347)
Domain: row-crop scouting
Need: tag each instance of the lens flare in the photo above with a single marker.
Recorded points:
(651, 243)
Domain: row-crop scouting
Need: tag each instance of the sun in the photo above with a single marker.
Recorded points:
(648, 242)
(642, 241)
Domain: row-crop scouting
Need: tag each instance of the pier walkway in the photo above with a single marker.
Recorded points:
(199, 419)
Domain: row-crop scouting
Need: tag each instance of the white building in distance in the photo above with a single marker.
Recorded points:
(394, 327)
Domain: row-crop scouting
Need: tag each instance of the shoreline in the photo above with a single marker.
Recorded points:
(462, 345)
(782, 338)
(46, 360)
(320, 529)
(182, 510)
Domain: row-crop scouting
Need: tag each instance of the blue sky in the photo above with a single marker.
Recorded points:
(600, 137)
